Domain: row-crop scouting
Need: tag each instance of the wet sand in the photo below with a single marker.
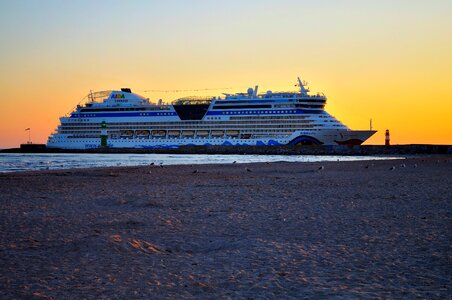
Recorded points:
(279, 230)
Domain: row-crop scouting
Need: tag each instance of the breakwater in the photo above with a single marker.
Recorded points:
(411, 149)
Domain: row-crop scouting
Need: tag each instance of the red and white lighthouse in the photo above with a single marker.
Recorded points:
(387, 138)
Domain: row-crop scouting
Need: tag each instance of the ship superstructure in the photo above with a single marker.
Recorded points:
(122, 119)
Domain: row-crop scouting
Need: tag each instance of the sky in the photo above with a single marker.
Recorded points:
(389, 60)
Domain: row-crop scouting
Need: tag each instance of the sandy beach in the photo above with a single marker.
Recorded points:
(253, 231)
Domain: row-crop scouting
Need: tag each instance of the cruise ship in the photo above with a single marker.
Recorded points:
(123, 119)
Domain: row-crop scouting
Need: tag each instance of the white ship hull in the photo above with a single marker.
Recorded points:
(333, 137)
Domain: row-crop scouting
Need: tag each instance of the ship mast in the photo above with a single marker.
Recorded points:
(304, 91)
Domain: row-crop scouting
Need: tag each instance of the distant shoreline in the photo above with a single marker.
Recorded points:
(264, 150)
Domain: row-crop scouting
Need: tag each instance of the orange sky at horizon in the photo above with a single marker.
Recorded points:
(390, 61)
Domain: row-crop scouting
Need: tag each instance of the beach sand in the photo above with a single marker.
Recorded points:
(278, 230)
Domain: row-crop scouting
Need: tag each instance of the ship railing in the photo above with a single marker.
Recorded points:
(193, 100)
(290, 94)
(92, 97)
(96, 96)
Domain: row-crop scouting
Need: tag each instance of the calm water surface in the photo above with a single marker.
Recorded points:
(13, 162)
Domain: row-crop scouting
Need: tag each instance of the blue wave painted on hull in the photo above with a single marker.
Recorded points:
(273, 143)
(305, 138)
(227, 143)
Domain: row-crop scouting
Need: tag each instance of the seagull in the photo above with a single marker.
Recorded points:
(195, 171)
(392, 168)
(248, 170)
(234, 162)
(321, 168)
(152, 164)
(403, 165)
(161, 166)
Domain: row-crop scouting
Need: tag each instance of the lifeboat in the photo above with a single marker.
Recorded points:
(232, 132)
(142, 133)
(188, 132)
(158, 133)
(202, 133)
(173, 132)
(217, 133)
(126, 134)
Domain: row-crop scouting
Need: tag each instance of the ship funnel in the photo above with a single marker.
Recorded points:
(255, 91)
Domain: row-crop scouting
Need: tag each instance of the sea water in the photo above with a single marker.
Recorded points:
(13, 162)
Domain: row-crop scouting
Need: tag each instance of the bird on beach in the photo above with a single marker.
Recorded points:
(151, 164)
(161, 166)
(321, 168)
(403, 165)
(392, 168)
(195, 171)
(248, 170)
(234, 162)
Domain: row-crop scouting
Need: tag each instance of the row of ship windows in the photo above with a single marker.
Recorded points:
(268, 117)
(224, 112)
(284, 124)
(97, 125)
(201, 122)
(107, 109)
(218, 107)
(226, 124)
(169, 140)
(257, 112)
(162, 139)
(200, 127)
(141, 114)
(243, 131)
(154, 108)
(277, 129)
(78, 120)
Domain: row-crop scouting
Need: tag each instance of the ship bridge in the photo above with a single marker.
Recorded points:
(192, 108)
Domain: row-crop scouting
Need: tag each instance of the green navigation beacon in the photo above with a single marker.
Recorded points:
(103, 134)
